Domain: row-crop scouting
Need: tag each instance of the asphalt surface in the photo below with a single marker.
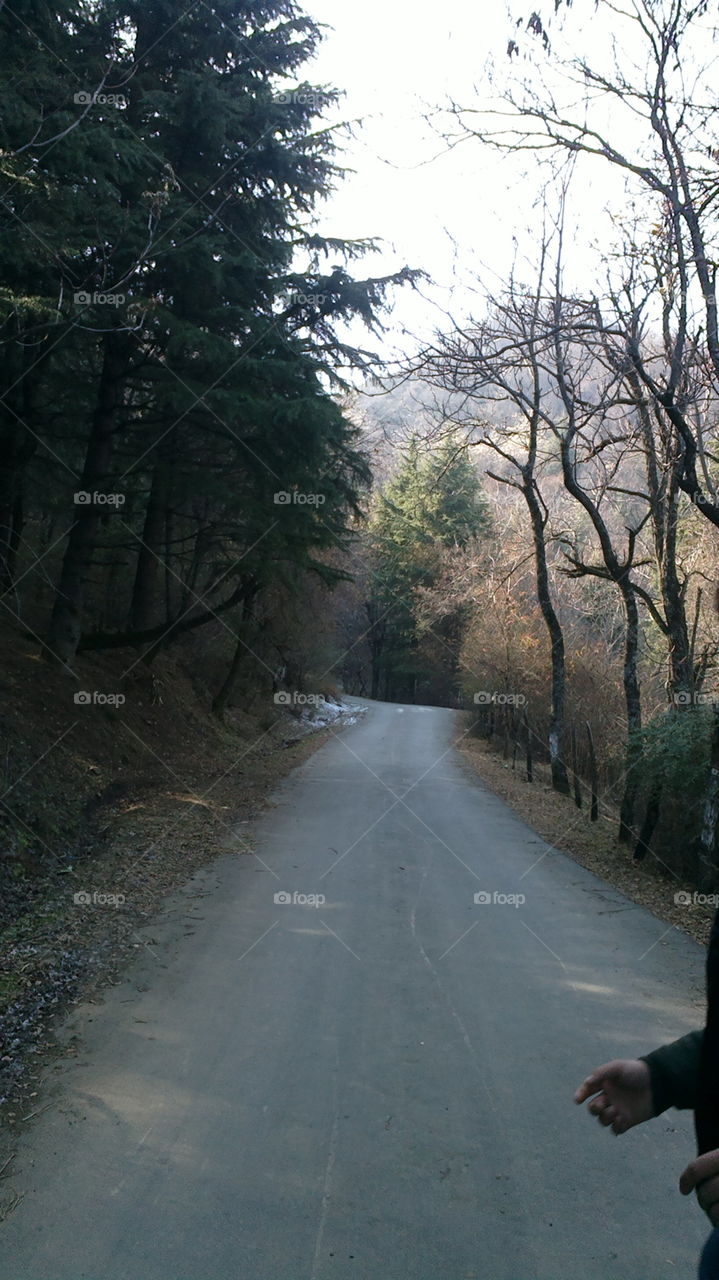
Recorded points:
(378, 1086)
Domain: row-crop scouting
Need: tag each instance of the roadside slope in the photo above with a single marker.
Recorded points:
(118, 802)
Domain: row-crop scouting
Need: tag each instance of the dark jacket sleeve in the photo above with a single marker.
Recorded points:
(674, 1072)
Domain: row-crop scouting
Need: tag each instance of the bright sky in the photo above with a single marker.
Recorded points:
(453, 214)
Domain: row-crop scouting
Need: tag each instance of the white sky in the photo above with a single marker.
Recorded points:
(397, 60)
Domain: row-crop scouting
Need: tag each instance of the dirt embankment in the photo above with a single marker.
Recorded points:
(107, 806)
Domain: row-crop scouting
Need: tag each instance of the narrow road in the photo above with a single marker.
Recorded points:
(378, 1085)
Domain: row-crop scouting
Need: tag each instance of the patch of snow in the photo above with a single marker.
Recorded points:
(319, 715)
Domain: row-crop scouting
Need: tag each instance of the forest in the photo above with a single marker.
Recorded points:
(201, 462)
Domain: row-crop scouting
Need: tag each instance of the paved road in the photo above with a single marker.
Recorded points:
(378, 1087)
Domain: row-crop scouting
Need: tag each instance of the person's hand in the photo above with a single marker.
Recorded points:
(621, 1094)
(702, 1175)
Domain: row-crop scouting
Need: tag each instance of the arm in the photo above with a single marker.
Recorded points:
(674, 1070)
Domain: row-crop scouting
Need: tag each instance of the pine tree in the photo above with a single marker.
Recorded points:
(190, 362)
(433, 502)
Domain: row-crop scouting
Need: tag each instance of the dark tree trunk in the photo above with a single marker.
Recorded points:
(18, 443)
(13, 520)
(651, 818)
(707, 877)
(66, 621)
(144, 609)
(528, 746)
(632, 699)
(593, 777)
(376, 637)
(681, 676)
(560, 779)
(575, 771)
(224, 693)
(170, 580)
(665, 517)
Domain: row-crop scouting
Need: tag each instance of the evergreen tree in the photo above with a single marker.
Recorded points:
(182, 365)
(432, 503)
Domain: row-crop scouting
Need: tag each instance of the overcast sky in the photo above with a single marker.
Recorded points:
(453, 213)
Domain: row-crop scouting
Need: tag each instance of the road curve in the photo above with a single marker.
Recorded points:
(373, 1083)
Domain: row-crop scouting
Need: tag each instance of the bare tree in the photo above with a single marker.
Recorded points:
(658, 129)
(502, 361)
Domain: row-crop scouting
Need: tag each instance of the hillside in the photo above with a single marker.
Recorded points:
(118, 804)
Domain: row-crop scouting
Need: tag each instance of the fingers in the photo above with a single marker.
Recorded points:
(609, 1116)
(702, 1175)
(622, 1125)
(599, 1107)
(706, 1166)
(607, 1113)
(593, 1083)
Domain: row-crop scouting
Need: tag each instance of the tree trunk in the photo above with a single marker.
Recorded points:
(146, 588)
(619, 571)
(632, 699)
(665, 516)
(707, 877)
(575, 771)
(18, 443)
(593, 777)
(681, 676)
(560, 779)
(12, 519)
(224, 693)
(651, 818)
(66, 621)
